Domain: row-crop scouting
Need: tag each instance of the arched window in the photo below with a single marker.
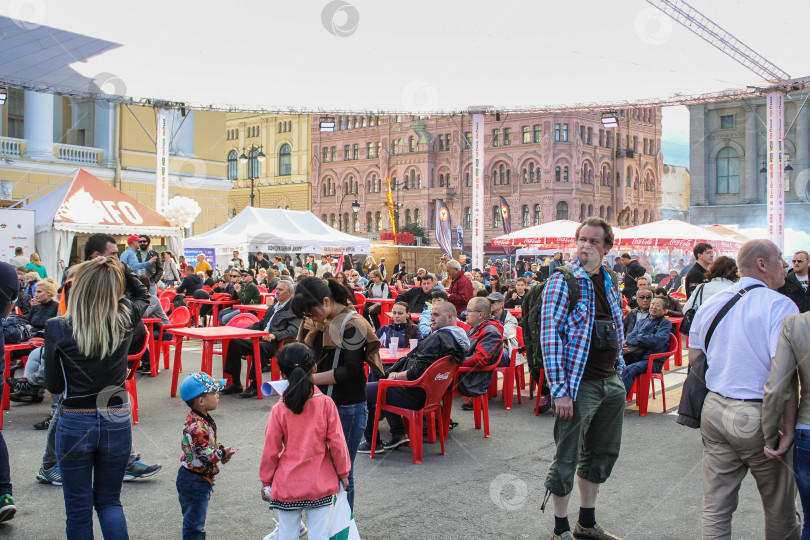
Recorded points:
(590, 210)
(407, 217)
(629, 176)
(609, 213)
(525, 216)
(531, 173)
(378, 221)
(502, 171)
(345, 222)
(253, 164)
(323, 218)
(602, 212)
(565, 174)
(496, 217)
(417, 217)
(332, 221)
(645, 216)
(468, 217)
(635, 216)
(557, 174)
(355, 222)
(233, 165)
(494, 177)
(728, 166)
(582, 212)
(538, 215)
(369, 222)
(524, 177)
(284, 160)
(466, 179)
(413, 179)
(562, 210)
(508, 176)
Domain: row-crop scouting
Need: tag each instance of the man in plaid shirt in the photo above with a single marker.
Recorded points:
(582, 358)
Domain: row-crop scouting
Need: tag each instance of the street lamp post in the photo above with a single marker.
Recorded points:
(396, 186)
(355, 208)
(260, 157)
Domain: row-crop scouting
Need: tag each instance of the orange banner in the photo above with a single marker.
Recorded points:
(391, 208)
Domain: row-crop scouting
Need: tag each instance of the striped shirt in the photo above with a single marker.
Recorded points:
(565, 337)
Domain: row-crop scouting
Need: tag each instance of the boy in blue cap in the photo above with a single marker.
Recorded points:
(201, 452)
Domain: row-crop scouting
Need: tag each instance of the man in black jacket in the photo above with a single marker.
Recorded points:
(632, 271)
(446, 339)
(191, 283)
(418, 296)
(155, 269)
(704, 255)
(797, 280)
(282, 324)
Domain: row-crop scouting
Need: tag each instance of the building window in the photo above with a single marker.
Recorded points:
(369, 150)
(496, 217)
(253, 164)
(233, 165)
(378, 221)
(410, 143)
(496, 138)
(532, 172)
(441, 143)
(355, 223)
(728, 164)
(562, 210)
(565, 174)
(727, 121)
(468, 218)
(468, 138)
(355, 151)
(590, 136)
(527, 135)
(332, 221)
(346, 150)
(537, 132)
(407, 217)
(447, 141)
(417, 217)
(629, 177)
(538, 214)
(369, 222)
(441, 180)
(557, 174)
(507, 136)
(332, 152)
(284, 160)
(557, 129)
(325, 155)
(565, 133)
(525, 216)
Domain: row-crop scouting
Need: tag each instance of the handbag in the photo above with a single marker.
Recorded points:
(686, 323)
(341, 521)
(694, 387)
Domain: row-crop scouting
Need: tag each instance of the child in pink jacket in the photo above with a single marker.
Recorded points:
(305, 456)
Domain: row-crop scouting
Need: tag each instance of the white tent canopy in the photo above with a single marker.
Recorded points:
(279, 231)
(425, 56)
(87, 205)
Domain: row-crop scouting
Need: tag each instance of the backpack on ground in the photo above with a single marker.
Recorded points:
(17, 330)
(532, 308)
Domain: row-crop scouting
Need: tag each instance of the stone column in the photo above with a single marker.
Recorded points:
(697, 155)
(104, 131)
(751, 167)
(39, 125)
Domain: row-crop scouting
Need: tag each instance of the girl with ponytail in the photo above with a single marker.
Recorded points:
(305, 456)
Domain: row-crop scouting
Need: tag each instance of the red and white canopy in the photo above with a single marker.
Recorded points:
(554, 234)
(672, 233)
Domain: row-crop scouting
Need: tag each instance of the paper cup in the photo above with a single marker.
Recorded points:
(413, 343)
(394, 343)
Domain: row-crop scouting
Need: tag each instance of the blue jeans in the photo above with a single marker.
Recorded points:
(194, 492)
(227, 315)
(635, 369)
(801, 469)
(395, 397)
(353, 421)
(93, 450)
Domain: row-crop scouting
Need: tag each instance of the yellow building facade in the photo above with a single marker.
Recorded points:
(281, 179)
(45, 138)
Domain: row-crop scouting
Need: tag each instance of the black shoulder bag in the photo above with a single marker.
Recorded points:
(694, 389)
(688, 317)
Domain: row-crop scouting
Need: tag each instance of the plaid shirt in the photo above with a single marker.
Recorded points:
(565, 338)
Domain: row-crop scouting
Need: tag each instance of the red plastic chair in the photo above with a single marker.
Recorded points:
(461, 324)
(207, 289)
(170, 294)
(240, 320)
(262, 289)
(513, 376)
(275, 372)
(436, 382)
(134, 360)
(361, 301)
(178, 319)
(221, 296)
(679, 295)
(165, 304)
(642, 384)
(480, 403)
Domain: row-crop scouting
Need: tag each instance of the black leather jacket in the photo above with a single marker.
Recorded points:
(794, 290)
(80, 378)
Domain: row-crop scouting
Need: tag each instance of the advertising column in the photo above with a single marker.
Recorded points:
(776, 168)
(162, 166)
(478, 190)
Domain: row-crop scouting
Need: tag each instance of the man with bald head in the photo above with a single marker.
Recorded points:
(738, 356)
(486, 344)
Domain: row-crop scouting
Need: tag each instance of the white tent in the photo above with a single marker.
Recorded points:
(279, 231)
(87, 205)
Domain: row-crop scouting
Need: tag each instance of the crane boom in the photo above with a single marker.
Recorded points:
(712, 33)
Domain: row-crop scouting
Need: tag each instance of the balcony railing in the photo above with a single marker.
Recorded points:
(11, 147)
(78, 154)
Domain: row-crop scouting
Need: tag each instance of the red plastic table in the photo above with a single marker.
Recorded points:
(386, 358)
(517, 312)
(385, 304)
(260, 309)
(215, 303)
(267, 297)
(150, 327)
(209, 336)
(676, 323)
(29, 345)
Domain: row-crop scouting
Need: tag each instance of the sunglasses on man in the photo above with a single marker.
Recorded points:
(798, 261)
(645, 297)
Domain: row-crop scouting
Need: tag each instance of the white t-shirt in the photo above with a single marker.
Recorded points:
(804, 281)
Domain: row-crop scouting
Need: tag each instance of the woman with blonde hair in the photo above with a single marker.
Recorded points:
(369, 265)
(36, 266)
(86, 359)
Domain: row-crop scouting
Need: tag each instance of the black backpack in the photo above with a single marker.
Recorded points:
(17, 330)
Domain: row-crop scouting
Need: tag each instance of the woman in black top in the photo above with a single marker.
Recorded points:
(86, 360)
(324, 307)
(45, 306)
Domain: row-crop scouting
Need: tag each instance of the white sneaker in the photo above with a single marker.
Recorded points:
(302, 532)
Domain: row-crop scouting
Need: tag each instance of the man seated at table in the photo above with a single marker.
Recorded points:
(446, 339)
(247, 292)
(434, 297)
(639, 313)
(280, 322)
(509, 323)
(649, 336)
(486, 344)
(223, 287)
(417, 297)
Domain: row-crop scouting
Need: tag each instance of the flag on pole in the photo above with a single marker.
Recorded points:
(391, 208)
(443, 228)
(506, 218)
(460, 237)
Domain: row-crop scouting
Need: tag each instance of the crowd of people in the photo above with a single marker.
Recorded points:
(598, 327)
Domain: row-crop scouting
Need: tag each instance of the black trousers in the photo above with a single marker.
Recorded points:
(237, 348)
(373, 310)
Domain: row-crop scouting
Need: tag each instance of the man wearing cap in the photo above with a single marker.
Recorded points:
(509, 322)
(130, 256)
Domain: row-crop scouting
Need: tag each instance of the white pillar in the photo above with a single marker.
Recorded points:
(39, 125)
(104, 131)
(751, 167)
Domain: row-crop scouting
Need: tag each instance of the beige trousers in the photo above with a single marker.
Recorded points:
(732, 445)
